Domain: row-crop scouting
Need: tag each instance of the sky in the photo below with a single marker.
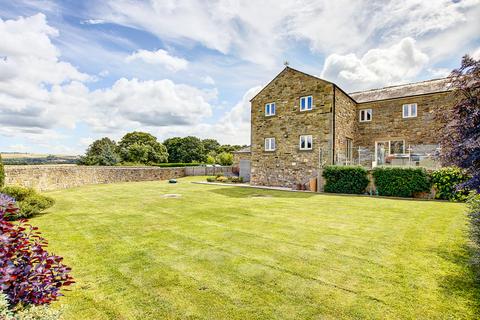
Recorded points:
(75, 71)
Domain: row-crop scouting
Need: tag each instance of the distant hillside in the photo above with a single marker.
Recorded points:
(19, 158)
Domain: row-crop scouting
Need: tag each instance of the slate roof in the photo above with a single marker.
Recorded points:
(405, 90)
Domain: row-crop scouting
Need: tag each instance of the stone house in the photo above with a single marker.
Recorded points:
(300, 123)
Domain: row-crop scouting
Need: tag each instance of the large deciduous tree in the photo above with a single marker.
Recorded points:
(102, 152)
(186, 150)
(461, 141)
(142, 147)
(210, 145)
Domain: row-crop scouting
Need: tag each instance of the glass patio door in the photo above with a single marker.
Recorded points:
(381, 151)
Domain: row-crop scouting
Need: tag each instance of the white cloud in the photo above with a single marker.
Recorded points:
(476, 54)
(261, 31)
(208, 80)
(161, 57)
(32, 65)
(39, 93)
(149, 103)
(234, 126)
(377, 67)
(93, 21)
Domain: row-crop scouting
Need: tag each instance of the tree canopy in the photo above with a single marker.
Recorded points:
(142, 147)
(185, 150)
(102, 152)
(461, 139)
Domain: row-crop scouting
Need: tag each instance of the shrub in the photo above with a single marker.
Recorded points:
(18, 193)
(225, 159)
(401, 182)
(29, 201)
(2, 173)
(345, 179)
(222, 179)
(5, 312)
(38, 313)
(446, 180)
(236, 179)
(474, 216)
(211, 179)
(29, 275)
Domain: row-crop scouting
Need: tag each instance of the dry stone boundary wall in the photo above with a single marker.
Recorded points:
(53, 177)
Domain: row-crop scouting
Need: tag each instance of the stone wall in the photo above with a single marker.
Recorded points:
(237, 156)
(388, 124)
(287, 165)
(51, 177)
(346, 119)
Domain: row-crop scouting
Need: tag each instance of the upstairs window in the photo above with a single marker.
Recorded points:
(365, 115)
(269, 144)
(410, 110)
(270, 109)
(306, 103)
(306, 142)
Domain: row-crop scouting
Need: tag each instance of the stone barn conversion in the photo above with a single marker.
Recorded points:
(301, 123)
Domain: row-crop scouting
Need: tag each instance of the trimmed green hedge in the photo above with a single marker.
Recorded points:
(401, 182)
(345, 179)
(446, 180)
(168, 165)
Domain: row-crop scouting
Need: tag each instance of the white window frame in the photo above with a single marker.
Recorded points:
(365, 113)
(389, 143)
(268, 109)
(270, 144)
(306, 138)
(349, 150)
(409, 107)
(307, 107)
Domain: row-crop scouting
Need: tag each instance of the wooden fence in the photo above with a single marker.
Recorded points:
(208, 171)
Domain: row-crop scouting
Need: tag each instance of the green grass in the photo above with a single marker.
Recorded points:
(237, 253)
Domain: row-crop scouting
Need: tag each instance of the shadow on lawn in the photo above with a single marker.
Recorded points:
(464, 283)
(258, 193)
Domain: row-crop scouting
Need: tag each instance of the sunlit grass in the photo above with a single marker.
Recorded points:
(237, 253)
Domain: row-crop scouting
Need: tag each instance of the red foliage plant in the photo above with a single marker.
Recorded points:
(29, 275)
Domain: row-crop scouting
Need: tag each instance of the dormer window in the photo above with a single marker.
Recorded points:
(410, 110)
(365, 115)
(306, 103)
(270, 109)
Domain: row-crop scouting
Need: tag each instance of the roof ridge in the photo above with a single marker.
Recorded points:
(400, 85)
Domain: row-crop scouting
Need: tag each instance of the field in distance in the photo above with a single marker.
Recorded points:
(21, 158)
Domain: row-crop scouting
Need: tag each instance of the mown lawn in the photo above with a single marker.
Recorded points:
(236, 253)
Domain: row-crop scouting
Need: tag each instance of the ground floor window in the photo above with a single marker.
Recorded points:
(269, 144)
(397, 147)
(387, 150)
(306, 142)
(349, 150)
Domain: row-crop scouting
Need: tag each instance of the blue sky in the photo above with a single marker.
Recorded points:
(75, 71)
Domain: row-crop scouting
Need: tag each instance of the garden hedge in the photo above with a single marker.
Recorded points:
(473, 205)
(345, 179)
(179, 164)
(446, 180)
(401, 182)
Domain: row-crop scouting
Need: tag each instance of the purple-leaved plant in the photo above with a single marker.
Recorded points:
(29, 275)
